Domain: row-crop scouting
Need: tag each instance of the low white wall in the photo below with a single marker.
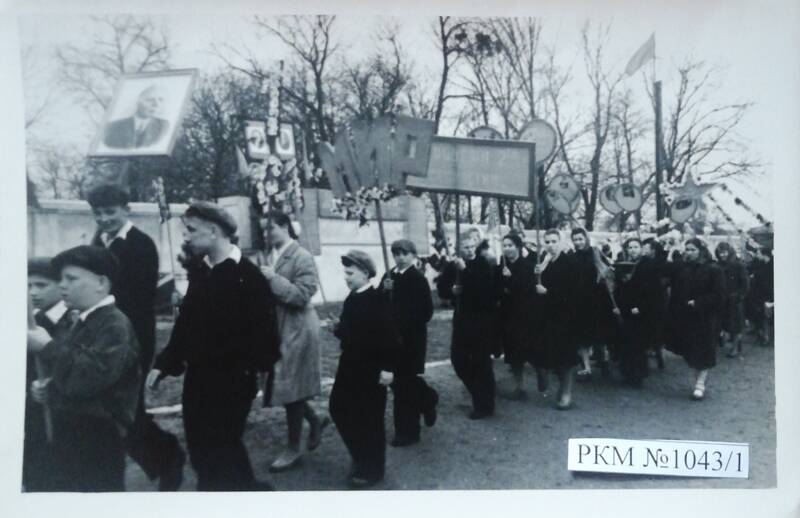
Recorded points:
(62, 224)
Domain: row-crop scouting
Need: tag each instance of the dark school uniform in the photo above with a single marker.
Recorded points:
(736, 284)
(36, 452)
(225, 333)
(471, 345)
(412, 308)
(370, 344)
(92, 395)
(153, 449)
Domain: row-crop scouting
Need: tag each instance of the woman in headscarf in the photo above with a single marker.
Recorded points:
(554, 348)
(593, 325)
(697, 292)
(734, 274)
(638, 297)
(516, 281)
(291, 273)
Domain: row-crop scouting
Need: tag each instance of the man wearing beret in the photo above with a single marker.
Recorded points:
(51, 313)
(94, 376)
(409, 297)
(370, 345)
(225, 333)
(157, 452)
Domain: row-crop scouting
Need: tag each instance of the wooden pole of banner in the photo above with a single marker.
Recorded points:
(41, 374)
(170, 248)
(379, 216)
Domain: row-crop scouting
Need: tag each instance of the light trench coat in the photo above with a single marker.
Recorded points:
(297, 374)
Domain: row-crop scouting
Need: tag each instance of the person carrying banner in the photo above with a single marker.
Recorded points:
(370, 345)
(94, 376)
(224, 335)
(408, 294)
(157, 452)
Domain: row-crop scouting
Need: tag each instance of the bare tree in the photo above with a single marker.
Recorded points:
(121, 44)
(374, 86)
(700, 135)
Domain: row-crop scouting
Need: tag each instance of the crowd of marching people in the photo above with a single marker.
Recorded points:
(247, 326)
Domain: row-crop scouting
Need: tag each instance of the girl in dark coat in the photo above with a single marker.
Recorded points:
(637, 297)
(736, 283)
(517, 281)
(555, 348)
(697, 292)
(593, 325)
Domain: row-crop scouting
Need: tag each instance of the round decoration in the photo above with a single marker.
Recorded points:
(566, 186)
(486, 133)
(629, 197)
(544, 135)
(608, 200)
(682, 209)
(558, 201)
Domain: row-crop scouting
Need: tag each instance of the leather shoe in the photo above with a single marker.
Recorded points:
(171, 477)
(482, 414)
(430, 413)
(358, 482)
(285, 461)
(400, 441)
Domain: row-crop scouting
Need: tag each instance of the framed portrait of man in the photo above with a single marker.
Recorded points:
(144, 115)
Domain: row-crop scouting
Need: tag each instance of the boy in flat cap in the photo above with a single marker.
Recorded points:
(94, 376)
(409, 296)
(49, 312)
(157, 452)
(370, 343)
(224, 335)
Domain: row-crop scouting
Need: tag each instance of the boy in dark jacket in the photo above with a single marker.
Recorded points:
(156, 451)
(49, 312)
(94, 376)
(370, 345)
(409, 297)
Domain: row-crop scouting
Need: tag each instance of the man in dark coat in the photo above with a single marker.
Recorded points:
(736, 282)
(52, 314)
(143, 128)
(157, 452)
(94, 376)
(409, 296)
(371, 347)
(470, 352)
(225, 333)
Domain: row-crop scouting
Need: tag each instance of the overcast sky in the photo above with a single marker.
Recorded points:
(752, 43)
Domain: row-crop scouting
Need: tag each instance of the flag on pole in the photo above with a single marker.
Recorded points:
(241, 162)
(645, 53)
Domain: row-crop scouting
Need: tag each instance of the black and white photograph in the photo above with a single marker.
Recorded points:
(403, 257)
(143, 117)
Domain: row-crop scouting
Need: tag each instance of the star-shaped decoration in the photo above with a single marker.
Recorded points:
(690, 189)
